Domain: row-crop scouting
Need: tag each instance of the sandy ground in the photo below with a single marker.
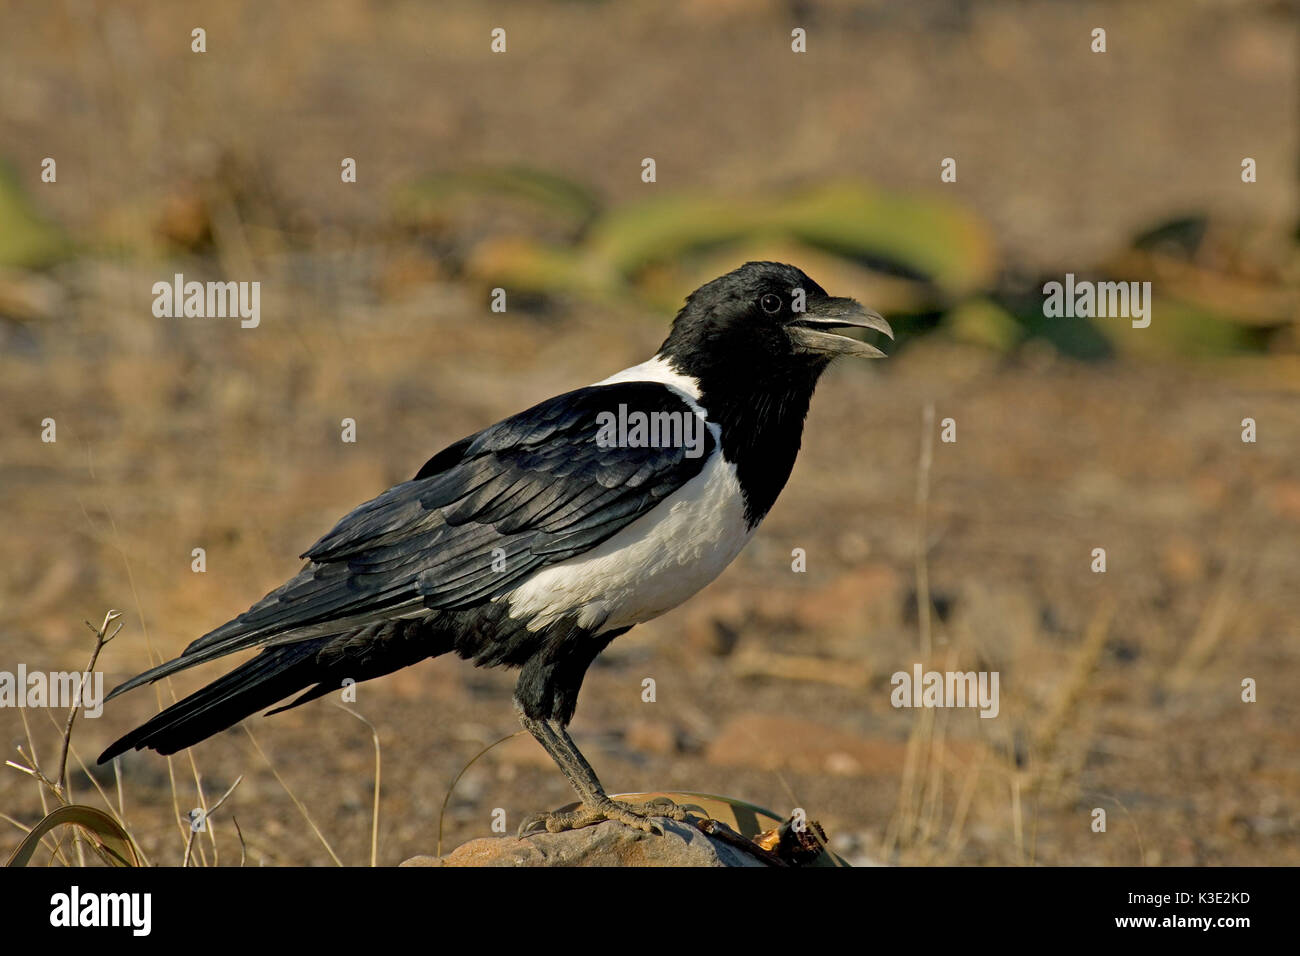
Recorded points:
(1119, 691)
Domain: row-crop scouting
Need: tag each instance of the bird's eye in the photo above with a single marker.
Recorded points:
(771, 304)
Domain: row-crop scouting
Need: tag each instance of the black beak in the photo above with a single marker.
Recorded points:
(809, 330)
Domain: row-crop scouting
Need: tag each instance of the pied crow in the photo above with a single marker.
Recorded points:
(535, 542)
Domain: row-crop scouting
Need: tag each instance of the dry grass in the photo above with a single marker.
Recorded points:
(1120, 691)
(102, 834)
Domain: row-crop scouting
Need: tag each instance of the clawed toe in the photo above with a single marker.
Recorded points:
(660, 807)
(639, 816)
(533, 823)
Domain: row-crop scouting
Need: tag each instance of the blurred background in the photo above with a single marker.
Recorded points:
(522, 170)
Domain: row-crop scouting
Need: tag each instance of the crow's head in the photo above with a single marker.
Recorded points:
(766, 319)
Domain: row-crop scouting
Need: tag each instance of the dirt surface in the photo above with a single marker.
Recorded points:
(1120, 691)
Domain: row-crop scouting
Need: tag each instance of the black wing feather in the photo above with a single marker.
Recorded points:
(536, 485)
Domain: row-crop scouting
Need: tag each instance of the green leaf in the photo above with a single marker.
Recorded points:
(27, 240)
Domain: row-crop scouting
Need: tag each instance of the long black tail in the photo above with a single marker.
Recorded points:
(272, 675)
(318, 665)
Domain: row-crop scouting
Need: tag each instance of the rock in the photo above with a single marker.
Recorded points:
(739, 834)
(606, 844)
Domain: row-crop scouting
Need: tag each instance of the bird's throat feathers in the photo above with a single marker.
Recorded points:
(761, 421)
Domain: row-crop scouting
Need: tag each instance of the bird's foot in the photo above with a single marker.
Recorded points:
(639, 816)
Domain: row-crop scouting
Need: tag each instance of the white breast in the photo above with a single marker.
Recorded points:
(656, 562)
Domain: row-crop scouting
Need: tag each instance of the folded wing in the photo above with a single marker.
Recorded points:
(480, 516)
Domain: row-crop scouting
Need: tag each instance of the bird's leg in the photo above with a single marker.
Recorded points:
(596, 804)
(566, 755)
(659, 807)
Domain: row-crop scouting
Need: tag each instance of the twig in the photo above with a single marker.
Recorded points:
(100, 641)
(33, 762)
(189, 845)
(724, 834)
(207, 816)
(243, 848)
